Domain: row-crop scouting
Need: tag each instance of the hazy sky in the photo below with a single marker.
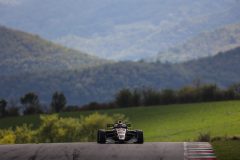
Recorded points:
(10, 2)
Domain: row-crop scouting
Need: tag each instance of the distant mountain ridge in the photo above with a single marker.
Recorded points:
(204, 45)
(119, 29)
(21, 52)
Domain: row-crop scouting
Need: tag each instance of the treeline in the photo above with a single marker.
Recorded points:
(188, 94)
(149, 97)
(125, 98)
(30, 104)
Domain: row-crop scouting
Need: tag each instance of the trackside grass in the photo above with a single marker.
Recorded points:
(182, 122)
(227, 149)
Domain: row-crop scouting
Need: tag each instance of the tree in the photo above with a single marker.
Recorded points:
(209, 92)
(124, 98)
(235, 91)
(3, 104)
(31, 103)
(187, 94)
(59, 102)
(151, 97)
(197, 82)
(168, 96)
(136, 98)
(12, 109)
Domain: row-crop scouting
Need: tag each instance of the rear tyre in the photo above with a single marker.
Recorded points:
(101, 136)
(140, 139)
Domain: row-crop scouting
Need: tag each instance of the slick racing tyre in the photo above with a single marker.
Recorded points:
(101, 136)
(139, 136)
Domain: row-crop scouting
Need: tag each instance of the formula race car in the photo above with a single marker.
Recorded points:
(119, 133)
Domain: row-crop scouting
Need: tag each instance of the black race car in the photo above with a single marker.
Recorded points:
(119, 133)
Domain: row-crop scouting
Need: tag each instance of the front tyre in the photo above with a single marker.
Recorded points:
(139, 135)
(101, 136)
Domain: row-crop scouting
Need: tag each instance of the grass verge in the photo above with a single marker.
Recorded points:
(227, 149)
(182, 122)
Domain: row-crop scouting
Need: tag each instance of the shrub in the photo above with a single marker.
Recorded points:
(235, 138)
(72, 129)
(92, 123)
(217, 138)
(55, 129)
(24, 134)
(47, 129)
(7, 136)
(204, 137)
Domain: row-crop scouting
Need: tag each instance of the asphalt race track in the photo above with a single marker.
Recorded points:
(93, 151)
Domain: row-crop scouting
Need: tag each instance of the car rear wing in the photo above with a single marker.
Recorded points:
(112, 125)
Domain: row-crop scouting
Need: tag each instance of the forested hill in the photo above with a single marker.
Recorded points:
(102, 82)
(203, 45)
(223, 69)
(22, 52)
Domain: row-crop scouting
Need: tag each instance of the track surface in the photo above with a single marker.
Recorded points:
(93, 151)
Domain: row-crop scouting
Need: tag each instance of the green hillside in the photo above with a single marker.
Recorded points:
(22, 52)
(203, 45)
(168, 123)
(101, 83)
